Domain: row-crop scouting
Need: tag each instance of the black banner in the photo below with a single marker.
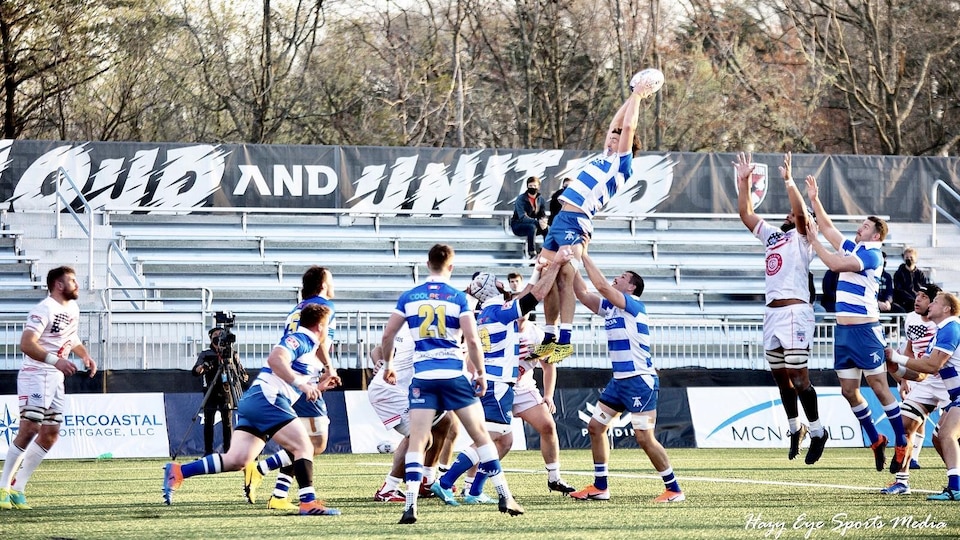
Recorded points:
(145, 176)
(575, 408)
(181, 409)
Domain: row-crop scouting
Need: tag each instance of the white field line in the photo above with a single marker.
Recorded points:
(697, 479)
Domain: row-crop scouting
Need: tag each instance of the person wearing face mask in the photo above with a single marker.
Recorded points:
(907, 281)
(530, 215)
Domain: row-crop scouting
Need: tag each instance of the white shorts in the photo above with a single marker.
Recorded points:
(525, 399)
(789, 327)
(930, 392)
(41, 390)
(391, 403)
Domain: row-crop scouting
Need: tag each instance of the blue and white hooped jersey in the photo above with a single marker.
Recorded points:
(628, 338)
(302, 346)
(948, 341)
(293, 319)
(432, 311)
(857, 291)
(598, 182)
(500, 337)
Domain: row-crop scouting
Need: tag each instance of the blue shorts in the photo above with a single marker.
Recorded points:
(633, 394)
(568, 228)
(498, 403)
(304, 408)
(858, 346)
(441, 394)
(256, 415)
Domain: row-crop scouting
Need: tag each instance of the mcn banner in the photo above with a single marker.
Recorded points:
(144, 177)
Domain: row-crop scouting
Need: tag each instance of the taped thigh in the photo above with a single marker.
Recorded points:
(602, 417)
(775, 359)
(913, 411)
(796, 358)
(317, 426)
(642, 421)
(33, 414)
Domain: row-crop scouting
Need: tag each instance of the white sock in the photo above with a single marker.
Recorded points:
(553, 471)
(11, 464)
(391, 483)
(32, 457)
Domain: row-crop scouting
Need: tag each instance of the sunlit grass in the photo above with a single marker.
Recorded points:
(730, 494)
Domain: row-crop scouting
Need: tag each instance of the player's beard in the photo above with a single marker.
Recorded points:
(72, 294)
(787, 226)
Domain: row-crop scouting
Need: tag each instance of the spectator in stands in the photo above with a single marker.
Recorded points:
(555, 204)
(828, 296)
(529, 217)
(635, 385)
(594, 186)
(858, 346)
(266, 411)
(788, 321)
(210, 367)
(885, 295)
(48, 337)
(515, 281)
(316, 288)
(907, 281)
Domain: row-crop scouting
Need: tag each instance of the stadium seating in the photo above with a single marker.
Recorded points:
(253, 263)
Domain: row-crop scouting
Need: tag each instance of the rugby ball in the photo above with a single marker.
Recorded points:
(647, 82)
(385, 447)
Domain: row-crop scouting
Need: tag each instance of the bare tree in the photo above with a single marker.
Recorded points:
(883, 58)
(49, 47)
(253, 74)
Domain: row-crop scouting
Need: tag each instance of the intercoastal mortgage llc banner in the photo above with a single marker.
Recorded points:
(99, 425)
(150, 176)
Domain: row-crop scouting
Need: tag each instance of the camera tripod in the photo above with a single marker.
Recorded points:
(226, 375)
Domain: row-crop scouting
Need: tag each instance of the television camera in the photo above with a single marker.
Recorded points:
(223, 362)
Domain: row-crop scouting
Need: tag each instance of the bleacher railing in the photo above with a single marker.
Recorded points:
(141, 343)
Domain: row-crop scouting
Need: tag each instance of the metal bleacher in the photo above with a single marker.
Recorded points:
(252, 263)
(167, 272)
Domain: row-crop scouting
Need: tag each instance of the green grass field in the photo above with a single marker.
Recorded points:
(729, 494)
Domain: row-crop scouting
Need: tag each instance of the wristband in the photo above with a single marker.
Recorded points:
(576, 264)
(901, 371)
(51, 359)
(899, 358)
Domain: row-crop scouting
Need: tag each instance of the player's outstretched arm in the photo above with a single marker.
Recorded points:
(743, 167)
(603, 286)
(793, 194)
(824, 223)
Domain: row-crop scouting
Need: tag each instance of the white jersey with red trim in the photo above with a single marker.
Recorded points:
(57, 326)
(788, 257)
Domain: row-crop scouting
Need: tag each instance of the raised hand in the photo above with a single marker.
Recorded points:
(813, 191)
(744, 169)
(786, 170)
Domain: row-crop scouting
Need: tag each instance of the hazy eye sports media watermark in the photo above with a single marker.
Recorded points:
(839, 524)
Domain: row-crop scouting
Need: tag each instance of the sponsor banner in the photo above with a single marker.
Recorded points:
(575, 407)
(99, 425)
(436, 180)
(753, 417)
(185, 421)
(367, 431)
